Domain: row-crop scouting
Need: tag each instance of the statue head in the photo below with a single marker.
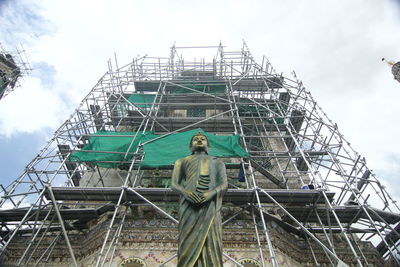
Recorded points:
(199, 142)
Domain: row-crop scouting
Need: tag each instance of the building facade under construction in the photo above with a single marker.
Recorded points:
(13, 66)
(98, 193)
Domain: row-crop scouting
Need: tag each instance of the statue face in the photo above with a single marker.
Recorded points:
(199, 143)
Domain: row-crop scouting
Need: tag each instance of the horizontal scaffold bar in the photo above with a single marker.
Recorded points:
(236, 196)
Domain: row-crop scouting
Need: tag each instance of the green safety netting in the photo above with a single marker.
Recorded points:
(161, 152)
(248, 108)
(108, 141)
(207, 88)
(211, 87)
(167, 150)
(142, 100)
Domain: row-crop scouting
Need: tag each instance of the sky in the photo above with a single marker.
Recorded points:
(334, 46)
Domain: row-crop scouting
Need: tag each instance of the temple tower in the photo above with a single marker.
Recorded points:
(98, 193)
(13, 66)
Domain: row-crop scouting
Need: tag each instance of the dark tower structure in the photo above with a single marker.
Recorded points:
(98, 193)
(396, 71)
(12, 68)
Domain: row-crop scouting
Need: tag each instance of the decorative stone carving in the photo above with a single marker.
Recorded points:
(133, 262)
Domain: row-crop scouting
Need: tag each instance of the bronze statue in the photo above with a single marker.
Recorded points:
(201, 181)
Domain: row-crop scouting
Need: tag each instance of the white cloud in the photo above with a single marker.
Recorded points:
(334, 46)
(30, 108)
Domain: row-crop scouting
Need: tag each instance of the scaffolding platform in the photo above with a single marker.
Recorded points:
(302, 204)
(40, 214)
(346, 214)
(236, 196)
(111, 194)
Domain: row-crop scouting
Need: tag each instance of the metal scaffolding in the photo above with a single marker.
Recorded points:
(301, 176)
(13, 66)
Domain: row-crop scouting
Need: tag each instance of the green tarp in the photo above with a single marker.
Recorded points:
(207, 88)
(142, 100)
(107, 141)
(211, 87)
(249, 108)
(167, 150)
(161, 152)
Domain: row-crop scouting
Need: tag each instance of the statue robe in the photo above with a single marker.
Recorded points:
(200, 226)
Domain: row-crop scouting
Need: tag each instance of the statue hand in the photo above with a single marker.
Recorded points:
(207, 196)
(193, 197)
